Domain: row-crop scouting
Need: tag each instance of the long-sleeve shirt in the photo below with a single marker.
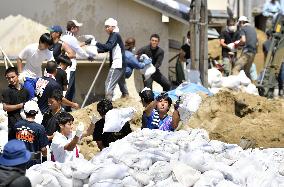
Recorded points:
(131, 63)
(157, 54)
(115, 47)
(270, 9)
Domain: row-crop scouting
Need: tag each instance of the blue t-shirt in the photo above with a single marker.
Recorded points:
(31, 133)
(154, 122)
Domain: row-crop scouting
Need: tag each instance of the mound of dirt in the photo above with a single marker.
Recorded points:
(87, 146)
(230, 116)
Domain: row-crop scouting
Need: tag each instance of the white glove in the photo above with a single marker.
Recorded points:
(93, 42)
(143, 56)
(95, 118)
(79, 130)
(231, 46)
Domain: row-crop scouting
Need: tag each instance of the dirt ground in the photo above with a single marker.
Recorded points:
(230, 116)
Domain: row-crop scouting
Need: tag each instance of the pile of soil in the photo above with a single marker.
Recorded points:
(87, 146)
(230, 116)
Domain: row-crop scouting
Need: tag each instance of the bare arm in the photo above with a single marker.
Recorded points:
(242, 40)
(222, 43)
(89, 131)
(70, 53)
(44, 151)
(69, 103)
(20, 64)
(176, 119)
(10, 108)
(150, 107)
(182, 56)
(70, 146)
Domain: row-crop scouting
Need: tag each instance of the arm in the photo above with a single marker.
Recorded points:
(68, 50)
(70, 146)
(69, 103)
(176, 119)
(20, 64)
(222, 43)
(182, 55)
(10, 108)
(109, 45)
(89, 131)
(134, 63)
(159, 59)
(149, 108)
(242, 40)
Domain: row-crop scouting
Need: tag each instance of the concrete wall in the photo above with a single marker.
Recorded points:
(134, 20)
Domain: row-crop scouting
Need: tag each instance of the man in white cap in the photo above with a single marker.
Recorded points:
(116, 50)
(248, 39)
(73, 28)
(32, 134)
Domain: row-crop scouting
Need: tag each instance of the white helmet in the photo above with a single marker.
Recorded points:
(31, 107)
(243, 18)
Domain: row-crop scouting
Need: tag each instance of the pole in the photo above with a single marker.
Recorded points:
(203, 50)
(94, 81)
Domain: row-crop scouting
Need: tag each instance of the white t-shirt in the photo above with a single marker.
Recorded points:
(57, 148)
(34, 58)
(74, 44)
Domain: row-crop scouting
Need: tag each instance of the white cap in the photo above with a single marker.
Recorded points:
(77, 23)
(111, 22)
(243, 18)
(31, 107)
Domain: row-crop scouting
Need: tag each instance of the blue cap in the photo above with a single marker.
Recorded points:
(15, 153)
(55, 28)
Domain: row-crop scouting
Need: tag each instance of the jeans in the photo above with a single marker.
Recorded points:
(115, 76)
(160, 79)
(71, 89)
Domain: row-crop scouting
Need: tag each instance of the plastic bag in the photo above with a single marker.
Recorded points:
(148, 70)
(185, 174)
(244, 80)
(214, 78)
(116, 118)
(34, 177)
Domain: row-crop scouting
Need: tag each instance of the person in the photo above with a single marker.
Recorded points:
(64, 143)
(61, 75)
(73, 28)
(248, 38)
(13, 164)
(34, 54)
(184, 56)
(115, 46)
(130, 59)
(147, 97)
(50, 121)
(228, 36)
(103, 139)
(266, 45)
(157, 116)
(32, 134)
(157, 55)
(270, 9)
(281, 80)
(13, 98)
(45, 86)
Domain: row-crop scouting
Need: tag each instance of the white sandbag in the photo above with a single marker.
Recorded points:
(262, 179)
(82, 168)
(116, 118)
(195, 159)
(251, 89)
(108, 183)
(209, 178)
(63, 181)
(148, 70)
(92, 50)
(231, 82)
(185, 174)
(34, 177)
(244, 80)
(225, 183)
(3, 139)
(141, 176)
(189, 105)
(130, 182)
(281, 169)
(113, 171)
(66, 169)
(142, 164)
(214, 90)
(214, 78)
(169, 182)
(49, 181)
(160, 170)
(77, 183)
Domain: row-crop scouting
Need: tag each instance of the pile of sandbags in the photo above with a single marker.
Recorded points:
(3, 128)
(238, 82)
(159, 158)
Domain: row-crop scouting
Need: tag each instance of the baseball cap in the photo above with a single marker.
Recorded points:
(15, 153)
(111, 22)
(76, 23)
(243, 18)
(31, 107)
(55, 28)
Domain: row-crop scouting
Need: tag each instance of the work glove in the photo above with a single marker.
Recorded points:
(79, 130)
(88, 41)
(94, 120)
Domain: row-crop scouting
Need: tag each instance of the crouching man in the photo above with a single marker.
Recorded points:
(64, 143)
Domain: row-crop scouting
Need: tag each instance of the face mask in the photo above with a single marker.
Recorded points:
(232, 28)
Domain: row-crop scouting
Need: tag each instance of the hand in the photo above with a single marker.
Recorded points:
(88, 41)
(176, 105)
(22, 78)
(80, 129)
(95, 118)
(231, 46)
(90, 58)
(75, 105)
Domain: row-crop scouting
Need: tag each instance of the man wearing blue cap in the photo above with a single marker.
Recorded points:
(13, 163)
